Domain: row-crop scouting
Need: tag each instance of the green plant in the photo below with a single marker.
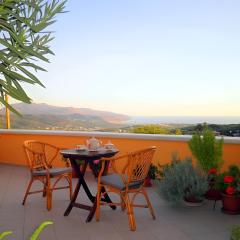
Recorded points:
(180, 180)
(229, 181)
(150, 129)
(207, 150)
(24, 40)
(235, 234)
(35, 234)
(153, 172)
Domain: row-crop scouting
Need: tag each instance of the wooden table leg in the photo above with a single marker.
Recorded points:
(106, 197)
(108, 200)
(82, 182)
(80, 174)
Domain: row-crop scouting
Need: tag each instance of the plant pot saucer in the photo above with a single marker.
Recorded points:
(230, 212)
(193, 204)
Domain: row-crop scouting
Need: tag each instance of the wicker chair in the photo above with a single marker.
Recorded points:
(127, 183)
(40, 157)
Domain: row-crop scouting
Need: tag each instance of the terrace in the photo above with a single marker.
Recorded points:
(182, 222)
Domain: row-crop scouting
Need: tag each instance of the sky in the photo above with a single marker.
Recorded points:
(146, 57)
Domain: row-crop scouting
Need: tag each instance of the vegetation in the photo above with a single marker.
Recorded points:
(24, 40)
(153, 172)
(180, 180)
(229, 181)
(35, 234)
(150, 129)
(207, 150)
(221, 129)
(235, 234)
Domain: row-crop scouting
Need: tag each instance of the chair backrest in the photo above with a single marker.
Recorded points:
(138, 164)
(38, 155)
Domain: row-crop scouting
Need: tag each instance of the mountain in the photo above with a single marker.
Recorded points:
(37, 109)
(74, 122)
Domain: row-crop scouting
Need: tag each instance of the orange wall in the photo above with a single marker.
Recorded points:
(12, 150)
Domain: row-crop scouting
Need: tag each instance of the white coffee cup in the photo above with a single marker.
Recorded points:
(109, 146)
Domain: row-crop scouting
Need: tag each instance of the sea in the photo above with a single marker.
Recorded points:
(184, 119)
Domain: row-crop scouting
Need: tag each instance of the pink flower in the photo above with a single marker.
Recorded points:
(96, 162)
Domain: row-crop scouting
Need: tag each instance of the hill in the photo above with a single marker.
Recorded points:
(44, 116)
(37, 109)
(60, 122)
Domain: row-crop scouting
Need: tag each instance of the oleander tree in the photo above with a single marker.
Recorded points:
(24, 44)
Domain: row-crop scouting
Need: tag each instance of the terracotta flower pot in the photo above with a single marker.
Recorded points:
(148, 182)
(231, 204)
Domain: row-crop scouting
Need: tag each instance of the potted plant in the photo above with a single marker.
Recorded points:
(152, 174)
(213, 193)
(229, 184)
(207, 150)
(181, 182)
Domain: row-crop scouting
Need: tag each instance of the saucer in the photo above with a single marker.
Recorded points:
(81, 149)
(93, 150)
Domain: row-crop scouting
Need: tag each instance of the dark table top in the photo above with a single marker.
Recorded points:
(88, 154)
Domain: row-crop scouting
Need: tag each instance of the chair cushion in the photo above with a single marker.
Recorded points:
(115, 181)
(53, 171)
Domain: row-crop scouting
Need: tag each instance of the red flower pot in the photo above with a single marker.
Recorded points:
(148, 182)
(231, 204)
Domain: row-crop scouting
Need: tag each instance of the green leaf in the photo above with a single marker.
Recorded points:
(7, 105)
(15, 75)
(23, 42)
(29, 74)
(4, 234)
(40, 229)
(32, 65)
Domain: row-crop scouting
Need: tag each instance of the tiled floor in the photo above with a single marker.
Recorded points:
(172, 223)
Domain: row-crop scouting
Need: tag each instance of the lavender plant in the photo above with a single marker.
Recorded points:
(181, 180)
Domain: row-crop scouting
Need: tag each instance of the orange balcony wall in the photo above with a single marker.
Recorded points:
(11, 142)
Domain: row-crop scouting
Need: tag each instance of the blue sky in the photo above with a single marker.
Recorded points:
(146, 57)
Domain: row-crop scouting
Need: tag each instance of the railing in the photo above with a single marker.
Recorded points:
(12, 151)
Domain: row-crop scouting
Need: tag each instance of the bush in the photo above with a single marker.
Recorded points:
(153, 172)
(207, 150)
(181, 180)
(235, 235)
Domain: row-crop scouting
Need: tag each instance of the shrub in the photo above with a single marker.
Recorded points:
(153, 172)
(207, 150)
(181, 180)
(235, 234)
